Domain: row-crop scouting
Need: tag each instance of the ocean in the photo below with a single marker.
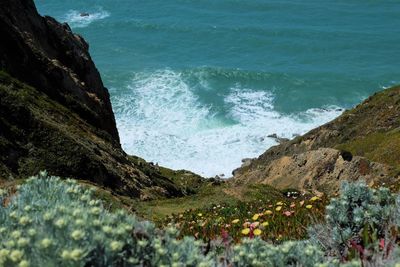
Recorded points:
(200, 85)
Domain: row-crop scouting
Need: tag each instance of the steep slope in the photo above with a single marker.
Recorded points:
(362, 143)
(55, 113)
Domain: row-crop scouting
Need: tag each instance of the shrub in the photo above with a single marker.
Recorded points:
(61, 224)
(360, 223)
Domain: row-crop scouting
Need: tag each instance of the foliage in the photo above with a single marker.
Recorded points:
(282, 219)
(360, 223)
(61, 224)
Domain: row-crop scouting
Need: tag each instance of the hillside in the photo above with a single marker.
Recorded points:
(362, 143)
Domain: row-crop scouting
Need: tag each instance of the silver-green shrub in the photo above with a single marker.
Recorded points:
(53, 223)
(256, 252)
(359, 224)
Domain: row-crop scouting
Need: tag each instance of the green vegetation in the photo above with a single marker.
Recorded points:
(383, 147)
(50, 222)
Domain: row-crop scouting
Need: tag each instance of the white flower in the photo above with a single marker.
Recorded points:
(60, 223)
(22, 242)
(16, 255)
(23, 263)
(77, 234)
(116, 245)
(24, 220)
(45, 243)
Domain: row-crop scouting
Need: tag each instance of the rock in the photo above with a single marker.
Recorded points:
(84, 14)
(278, 139)
(362, 143)
(55, 113)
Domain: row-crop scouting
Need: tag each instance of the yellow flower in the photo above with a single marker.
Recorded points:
(308, 206)
(246, 231)
(199, 214)
(76, 254)
(235, 221)
(77, 234)
(16, 255)
(278, 208)
(65, 255)
(265, 224)
(257, 232)
(22, 242)
(60, 223)
(45, 243)
(24, 220)
(107, 229)
(255, 217)
(314, 198)
(116, 246)
(268, 212)
(280, 203)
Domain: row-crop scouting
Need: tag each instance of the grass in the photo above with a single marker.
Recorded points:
(379, 147)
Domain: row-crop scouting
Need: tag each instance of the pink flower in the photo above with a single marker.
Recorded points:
(292, 205)
(287, 213)
(301, 203)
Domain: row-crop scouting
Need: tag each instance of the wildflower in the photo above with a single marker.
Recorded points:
(22, 242)
(268, 212)
(235, 221)
(287, 213)
(255, 217)
(23, 263)
(77, 234)
(47, 216)
(265, 224)
(3, 254)
(96, 222)
(13, 214)
(45, 243)
(280, 203)
(142, 243)
(32, 232)
(314, 198)
(95, 210)
(27, 208)
(79, 222)
(24, 220)
(60, 223)
(16, 255)
(301, 203)
(254, 224)
(76, 254)
(199, 214)
(246, 231)
(278, 208)
(16, 234)
(292, 205)
(257, 232)
(309, 207)
(116, 245)
(107, 229)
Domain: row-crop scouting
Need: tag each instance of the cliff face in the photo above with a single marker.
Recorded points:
(362, 143)
(55, 113)
(47, 55)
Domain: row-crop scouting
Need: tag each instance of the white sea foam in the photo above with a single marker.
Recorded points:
(160, 119)
(76, 19)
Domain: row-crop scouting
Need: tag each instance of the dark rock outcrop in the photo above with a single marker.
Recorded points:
(55, 113)
(45, 54)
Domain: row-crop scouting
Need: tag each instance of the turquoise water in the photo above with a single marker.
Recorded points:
(200, 84)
